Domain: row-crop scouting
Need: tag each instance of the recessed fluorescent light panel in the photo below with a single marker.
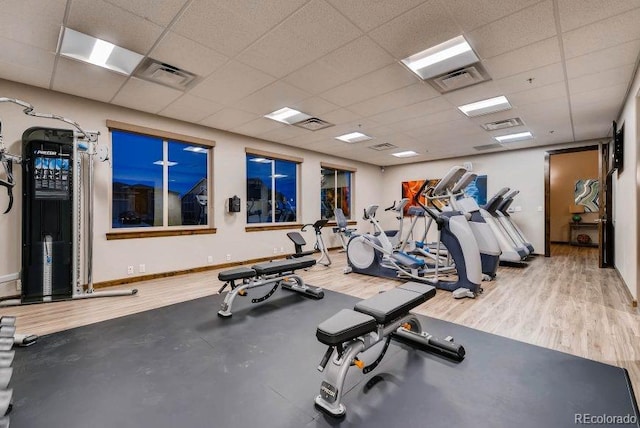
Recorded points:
(354, 137)
(512, 138)
(287, 115)
(89, 49)
(405, 154)
(487, 106)
(195, 149)
(448, 56)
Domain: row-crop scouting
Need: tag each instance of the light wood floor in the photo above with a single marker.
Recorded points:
(564, 302)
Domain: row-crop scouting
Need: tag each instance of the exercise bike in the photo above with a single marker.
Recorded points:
(299, 242)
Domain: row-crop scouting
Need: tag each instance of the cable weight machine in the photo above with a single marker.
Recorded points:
(57, 211)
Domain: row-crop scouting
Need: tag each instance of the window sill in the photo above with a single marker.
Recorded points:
(159, 233)
(349, 223)
(265, 227)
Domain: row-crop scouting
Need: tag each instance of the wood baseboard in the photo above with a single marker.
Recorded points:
(634, 302)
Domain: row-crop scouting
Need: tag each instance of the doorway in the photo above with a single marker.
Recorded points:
(577, 200)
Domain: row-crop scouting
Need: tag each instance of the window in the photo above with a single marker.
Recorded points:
(335, 191)
(272, 189)
(158, 181)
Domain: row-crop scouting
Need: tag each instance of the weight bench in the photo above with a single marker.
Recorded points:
(276, 273)
(380, 318)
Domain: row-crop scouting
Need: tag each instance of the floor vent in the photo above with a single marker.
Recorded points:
(503, 124)
(461, 78)
(164, 74)
(488, 147)
(383, 146)
(313, 124)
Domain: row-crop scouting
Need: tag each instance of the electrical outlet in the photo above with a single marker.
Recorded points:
(142, 268)
(282, 250)
(129, 270)
(228, 257)
(539, 209)
(275, 250)
(511, 210)
(210, 259)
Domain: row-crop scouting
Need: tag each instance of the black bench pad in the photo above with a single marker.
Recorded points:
(395, 303)
(343, 326)
(280, 266)
(237, 273)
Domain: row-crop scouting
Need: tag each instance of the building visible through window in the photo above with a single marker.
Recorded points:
(335, 192)
(272, 190)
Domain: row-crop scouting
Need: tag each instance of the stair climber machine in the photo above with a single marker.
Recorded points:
(513, 252)
(487, 242)
(374, 254)
(57, 215)
(319, 246)
(503, 208)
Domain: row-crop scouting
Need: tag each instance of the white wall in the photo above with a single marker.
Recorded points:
(517, 169)
(626, 195)
(168, 253)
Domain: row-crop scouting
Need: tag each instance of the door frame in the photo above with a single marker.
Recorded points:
(547, 188)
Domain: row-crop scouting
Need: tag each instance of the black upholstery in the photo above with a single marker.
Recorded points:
(280, 266)
(297, 238)
(237, 273)
(343, 326)
(395, 303)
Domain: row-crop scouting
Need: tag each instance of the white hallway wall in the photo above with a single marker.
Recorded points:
(168, 253)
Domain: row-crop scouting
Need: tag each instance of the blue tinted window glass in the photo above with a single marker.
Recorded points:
(259, 171)
(187, 182)
(286, 191)
(136, 180)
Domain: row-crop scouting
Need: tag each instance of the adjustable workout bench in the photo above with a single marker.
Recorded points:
(280, 272)
(373, 320)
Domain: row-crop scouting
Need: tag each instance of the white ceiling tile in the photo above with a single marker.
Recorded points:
(416, 30)
(604, 59)
(386, 79)
(161, 12)
(314, 106)
(227, 118)
(262, 14)
(600, 96)
(539, 94)
(32, 22)
(602, 34)
(369, 14)
(258, 126)
(356, 58)
(145, 96)
(615, 76)
(97, 18)
(419, 109)
(79, 78)
(27, 56)
(574, 14)
(340, 116)
(190, 108)
(30, 76)
(231, 82)
(542, 76)
(470, 14)
(422, 124)
(308, 34)
(270, 98)
(533, 56)
(399, 98)
(219, 25)
(523, 28)
(188, 55)
(474, 93)
(286, 133)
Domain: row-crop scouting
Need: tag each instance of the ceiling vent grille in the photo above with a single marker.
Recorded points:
(503, 124)
(488, 147)
(383, 146)
(313, 124)
(164, 74)
(461, 78)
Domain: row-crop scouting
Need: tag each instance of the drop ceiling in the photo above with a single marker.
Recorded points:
(564, 65)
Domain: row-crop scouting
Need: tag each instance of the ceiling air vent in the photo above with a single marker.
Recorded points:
(488, 147)
(383, 146)
(460, 78)
(503, 124)
(164, 74)
(313, 124)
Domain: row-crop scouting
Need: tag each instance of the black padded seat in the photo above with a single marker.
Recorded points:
(280, 266)
(395, 303)
(237, 273)
(343, 326)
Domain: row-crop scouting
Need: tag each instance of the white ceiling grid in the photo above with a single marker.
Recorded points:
(565, 65)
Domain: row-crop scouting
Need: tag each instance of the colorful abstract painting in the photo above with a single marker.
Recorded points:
(586, 194)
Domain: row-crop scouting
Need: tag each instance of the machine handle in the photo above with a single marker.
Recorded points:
(325, 359)
(455, 349)
(391, 207)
